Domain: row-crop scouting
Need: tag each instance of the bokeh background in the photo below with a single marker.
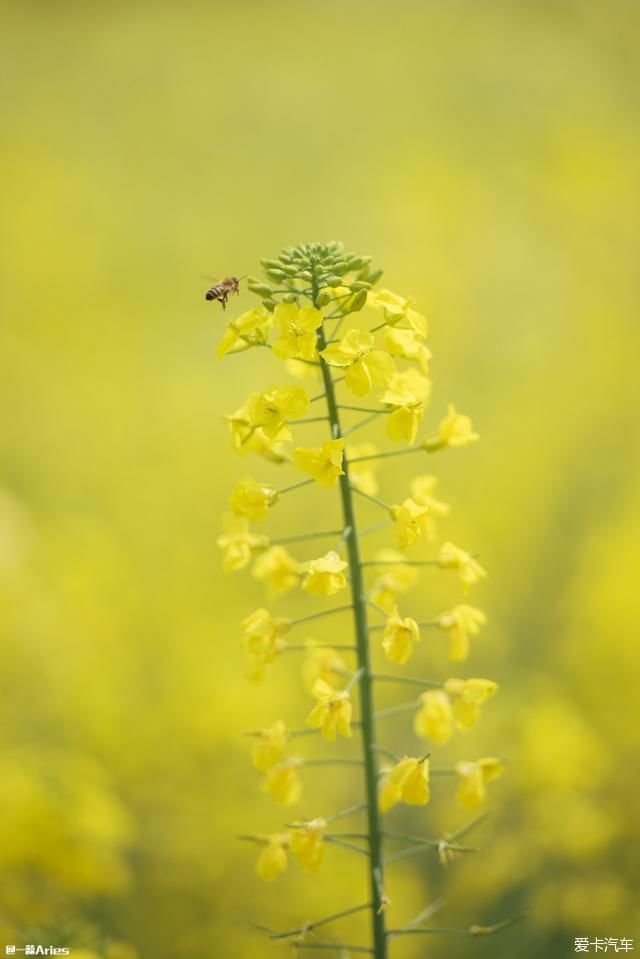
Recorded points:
(486, 154)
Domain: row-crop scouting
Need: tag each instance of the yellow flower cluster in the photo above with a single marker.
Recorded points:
(391, 369)
(263, 640)
(407, 782)
(332, 713)
(458, 702)
(306, 842)
(365, 367)
(323, 463)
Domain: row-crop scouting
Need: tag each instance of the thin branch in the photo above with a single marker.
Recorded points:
(309, 419)
(301, 537)
(412, 680)
(474, 931)
(363, 409)
(399, 562)
(304, 647)
(395, 710)
(359, 425)
(338, 761)
(385, 751)
(346, 845)
(374, 529)
(299, 485)
(459, 833)
(386, 453)
(423, 847)
(347, 947)
(374, 499)
(320, 614)
(309, 926)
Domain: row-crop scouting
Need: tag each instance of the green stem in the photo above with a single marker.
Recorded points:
(365, 686)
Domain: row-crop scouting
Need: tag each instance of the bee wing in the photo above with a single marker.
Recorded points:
(212, 279)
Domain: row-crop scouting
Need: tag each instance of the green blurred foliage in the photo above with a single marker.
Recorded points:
(486, 154)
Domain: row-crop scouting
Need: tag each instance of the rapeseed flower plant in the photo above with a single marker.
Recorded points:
(310, 291)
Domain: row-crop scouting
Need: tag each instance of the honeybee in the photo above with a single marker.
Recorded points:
(221, 291)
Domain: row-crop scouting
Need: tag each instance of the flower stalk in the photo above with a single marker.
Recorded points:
(367, 709)
(315, 283)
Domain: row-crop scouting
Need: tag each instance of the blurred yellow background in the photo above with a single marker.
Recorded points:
(486, 154)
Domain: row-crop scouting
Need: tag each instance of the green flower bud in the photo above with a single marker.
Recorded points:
(323, 299)
(357, 262)
(262, 289)
(290, 298)
(269, 305)
(290, 269)
(340, 267)
(271, 265)
(276, 273)
(374, 276)
(334, 281)
(360, 285)
(358, 301)
(306, 275)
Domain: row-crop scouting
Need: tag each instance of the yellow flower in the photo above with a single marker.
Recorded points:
(249, 328)
(332, 713)
(434, 719)
(460, 700)
(408, 344)
(261, 422)
(399, 638)
(270, 746)
(324, 463)
(408, 782)
(422, 490)
(394, 579)
(297, 328)
(398, 310)
(461, 622)
(252, 499)
(472, 778)
(362, 475)
(412, 523)
(263, 634)
(238, 543)
(468, 696)
(278, 569)
(273, 859)
(407, 394)
(325, 575)
(282, 782)
(272, 409)
(307, 843)
(454, 430)
(365, 367)
(451, 557)
(246, 438)
(322, 662)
